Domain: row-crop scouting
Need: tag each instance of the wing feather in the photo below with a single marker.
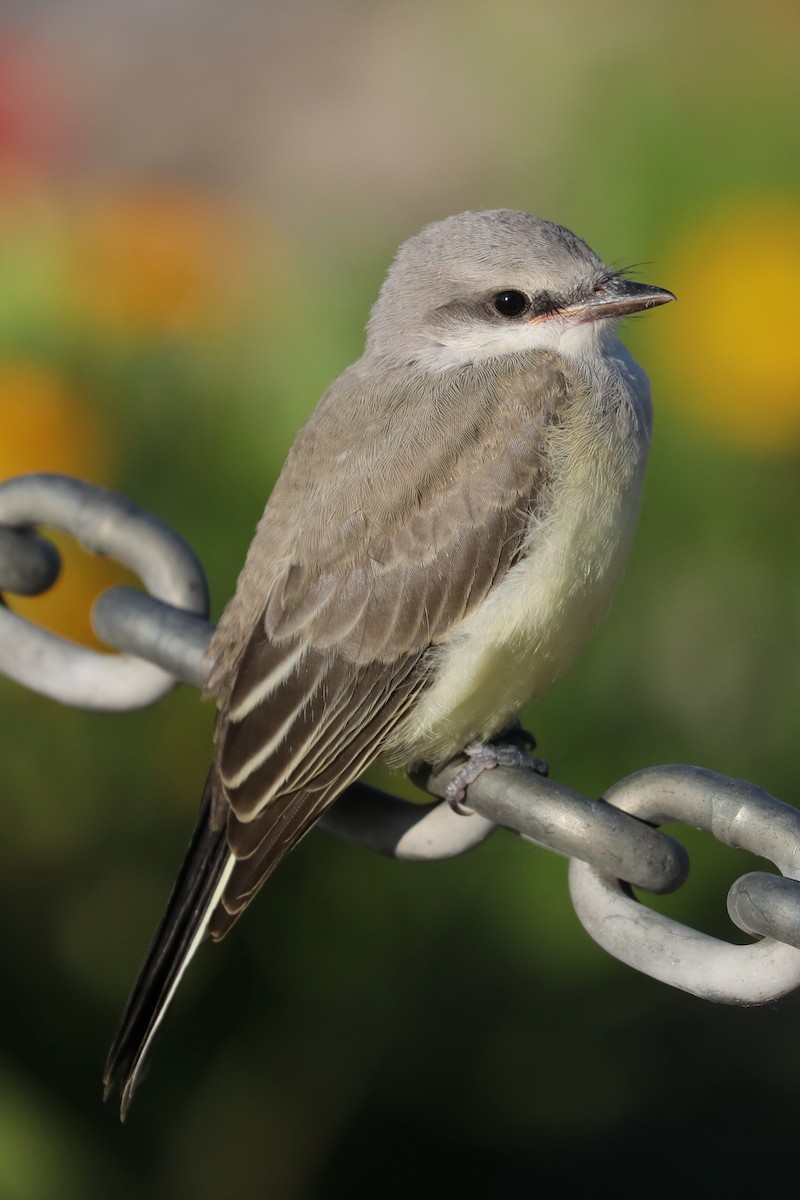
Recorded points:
(366, 621)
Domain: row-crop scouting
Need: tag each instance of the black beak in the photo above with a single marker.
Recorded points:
(616, 298)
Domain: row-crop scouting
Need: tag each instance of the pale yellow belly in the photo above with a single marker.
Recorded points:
(528, 631)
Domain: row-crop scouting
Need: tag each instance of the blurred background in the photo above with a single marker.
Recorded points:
(197, 205)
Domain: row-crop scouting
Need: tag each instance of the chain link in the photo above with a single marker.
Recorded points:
(613, 843)
(109, 524)
(740, 815)
(28, 564)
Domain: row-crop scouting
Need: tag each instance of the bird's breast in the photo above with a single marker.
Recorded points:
(531, 626)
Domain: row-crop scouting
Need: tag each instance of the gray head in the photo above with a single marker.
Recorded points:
(487, 283)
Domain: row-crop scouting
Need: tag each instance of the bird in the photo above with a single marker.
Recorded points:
(445, 533)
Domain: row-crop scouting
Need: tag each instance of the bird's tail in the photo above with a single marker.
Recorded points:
(197, 889)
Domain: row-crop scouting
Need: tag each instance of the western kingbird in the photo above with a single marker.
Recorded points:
(447, 529)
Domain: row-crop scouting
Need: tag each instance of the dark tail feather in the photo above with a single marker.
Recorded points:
(180, 932)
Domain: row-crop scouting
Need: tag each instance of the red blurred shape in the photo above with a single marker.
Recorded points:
(35, 106)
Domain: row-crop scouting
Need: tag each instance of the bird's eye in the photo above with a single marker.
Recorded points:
(511, 304)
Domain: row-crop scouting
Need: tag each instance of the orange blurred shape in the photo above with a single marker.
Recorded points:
(157, 260)
(45, 427)
(732, 346)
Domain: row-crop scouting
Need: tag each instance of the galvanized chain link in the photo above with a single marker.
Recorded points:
(108, 524)
(613, 843)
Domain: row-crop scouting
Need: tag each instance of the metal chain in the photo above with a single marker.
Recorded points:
(106, 523)
(613, 843)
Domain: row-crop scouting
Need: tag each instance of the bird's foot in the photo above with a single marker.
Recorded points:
(507, 749)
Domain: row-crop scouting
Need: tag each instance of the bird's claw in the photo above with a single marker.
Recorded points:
(484, 756)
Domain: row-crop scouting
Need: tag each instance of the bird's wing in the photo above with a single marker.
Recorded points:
(341, 647)
(283, 760)
(380, 570)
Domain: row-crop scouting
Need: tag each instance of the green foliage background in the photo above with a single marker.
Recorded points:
(374, 1028)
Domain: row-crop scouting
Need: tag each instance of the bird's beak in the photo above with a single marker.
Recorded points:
(616, 298)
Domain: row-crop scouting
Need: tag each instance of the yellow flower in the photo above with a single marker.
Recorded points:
(45, 427)
(732, 346)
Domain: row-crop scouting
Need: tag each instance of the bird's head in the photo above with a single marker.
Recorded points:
(482, 284)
